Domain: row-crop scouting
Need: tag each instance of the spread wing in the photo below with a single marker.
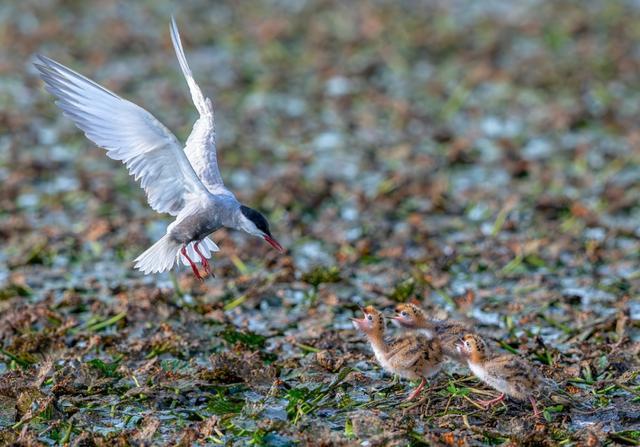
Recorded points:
(129, 133)
(201, 145)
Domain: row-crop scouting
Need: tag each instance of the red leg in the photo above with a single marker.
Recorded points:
(488, 403)
(536, 412)
(417, 390)
(193, 266)
(205, 263)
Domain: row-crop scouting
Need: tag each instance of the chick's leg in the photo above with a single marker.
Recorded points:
(536, 412)
(488, 403)
(417, 390)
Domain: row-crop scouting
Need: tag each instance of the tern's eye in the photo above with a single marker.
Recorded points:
(369, 317)
(404, 314)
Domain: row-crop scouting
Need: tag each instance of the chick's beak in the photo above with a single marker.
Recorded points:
(275, 244)
(358, 323)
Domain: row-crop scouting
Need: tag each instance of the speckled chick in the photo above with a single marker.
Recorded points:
(411, 356)
(410, 316)
(508, 374)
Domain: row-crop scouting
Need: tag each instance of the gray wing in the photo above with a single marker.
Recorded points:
(201, 145)
(129, 133)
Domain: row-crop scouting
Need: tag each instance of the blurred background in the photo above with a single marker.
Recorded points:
(482, 158)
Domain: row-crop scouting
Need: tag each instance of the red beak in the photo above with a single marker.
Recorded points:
(275, 244)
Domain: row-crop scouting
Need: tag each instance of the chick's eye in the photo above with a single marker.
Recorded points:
(369, 317)
(404, 314)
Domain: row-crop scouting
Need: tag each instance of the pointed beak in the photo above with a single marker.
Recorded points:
(275, 244)
(359, 323)
(401, 321)
(398, 322)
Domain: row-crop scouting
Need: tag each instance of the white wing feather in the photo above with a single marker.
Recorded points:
(201, 145)
(129, 134)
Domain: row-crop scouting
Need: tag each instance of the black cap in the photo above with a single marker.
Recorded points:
(257, 218)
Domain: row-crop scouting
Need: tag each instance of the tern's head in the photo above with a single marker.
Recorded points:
(372, 322)
(256, 224)
(473, 347)
(410, 316)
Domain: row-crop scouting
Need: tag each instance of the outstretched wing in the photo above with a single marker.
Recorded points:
(128, 133)
(201, 145)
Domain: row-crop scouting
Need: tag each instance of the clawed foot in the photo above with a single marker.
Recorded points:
(203, 260)
(489, 403)
(206, 267)
(205, 264)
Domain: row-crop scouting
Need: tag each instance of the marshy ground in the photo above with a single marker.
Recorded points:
(481, 158)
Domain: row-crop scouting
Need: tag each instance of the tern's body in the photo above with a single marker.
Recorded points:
(510, 375)
(185, 183)
(210, 215)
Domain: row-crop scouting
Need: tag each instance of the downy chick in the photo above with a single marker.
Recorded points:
(508, 374)
(449, 332)
(412, 356)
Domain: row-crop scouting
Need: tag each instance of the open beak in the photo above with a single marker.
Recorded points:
(275, 244)
(400, 321)
(359, 323)
(359, 319)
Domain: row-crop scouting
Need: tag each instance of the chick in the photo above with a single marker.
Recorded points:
(510, 375)
(412, 356)
(449, 332)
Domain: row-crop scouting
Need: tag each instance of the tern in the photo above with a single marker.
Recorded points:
(185, 183)
(510, 375)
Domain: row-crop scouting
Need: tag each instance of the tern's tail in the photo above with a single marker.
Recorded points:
(160, 257)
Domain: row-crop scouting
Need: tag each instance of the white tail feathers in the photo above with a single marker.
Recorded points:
(160, 257)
